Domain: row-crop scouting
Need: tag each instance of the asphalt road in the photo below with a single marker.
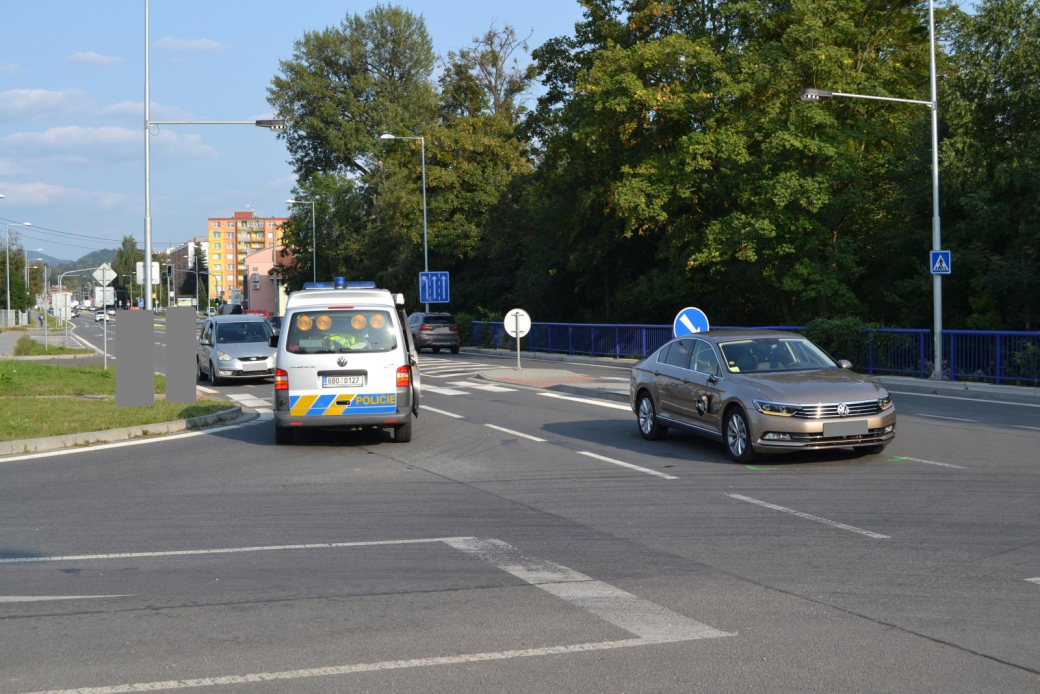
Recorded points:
(526, 542)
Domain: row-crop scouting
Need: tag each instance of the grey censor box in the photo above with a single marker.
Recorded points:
(181, 349)
(134, 345)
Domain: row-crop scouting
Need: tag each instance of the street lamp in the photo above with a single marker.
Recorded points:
(422, 147)
(314, 245)
(273, 124)
(7, 271)
(812, 95)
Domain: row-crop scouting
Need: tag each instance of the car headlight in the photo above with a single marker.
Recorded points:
(777, 409)
(885, 402)
(223, 356)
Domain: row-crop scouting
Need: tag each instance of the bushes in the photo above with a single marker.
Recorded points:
(24, 346)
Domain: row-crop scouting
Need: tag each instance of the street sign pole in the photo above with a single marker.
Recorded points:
(519, 326)
(516, 317)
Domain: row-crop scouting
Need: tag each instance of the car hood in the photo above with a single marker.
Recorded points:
(810, 387)
(246, 349)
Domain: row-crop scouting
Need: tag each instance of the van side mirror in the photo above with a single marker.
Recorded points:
(845, 363)
(273, 340)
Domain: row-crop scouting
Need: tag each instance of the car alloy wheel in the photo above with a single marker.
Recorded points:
(649, 427)
(738, 437)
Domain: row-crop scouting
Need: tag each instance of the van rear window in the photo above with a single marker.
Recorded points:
(336, 331)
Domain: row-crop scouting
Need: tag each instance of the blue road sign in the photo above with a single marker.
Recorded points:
(434, 288)
(140, 302)
(941, 263)
(689, 320)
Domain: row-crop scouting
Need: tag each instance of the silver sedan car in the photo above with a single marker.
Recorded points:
(759, 392)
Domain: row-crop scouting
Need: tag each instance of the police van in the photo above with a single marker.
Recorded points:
(345, 360)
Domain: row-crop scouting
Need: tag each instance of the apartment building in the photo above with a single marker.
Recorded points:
(231, 239)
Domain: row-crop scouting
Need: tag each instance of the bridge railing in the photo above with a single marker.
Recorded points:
(986, 355)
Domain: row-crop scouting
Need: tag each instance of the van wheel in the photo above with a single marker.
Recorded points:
(454, 350)
(403, 433)
(199, 373)
(283, 435)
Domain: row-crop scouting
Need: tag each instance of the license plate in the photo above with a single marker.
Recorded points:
(340, 381)
(857, 428)
(255, 366)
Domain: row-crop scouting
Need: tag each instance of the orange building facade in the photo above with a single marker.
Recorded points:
(231, 239)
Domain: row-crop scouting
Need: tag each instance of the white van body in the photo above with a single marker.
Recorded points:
(345, 359)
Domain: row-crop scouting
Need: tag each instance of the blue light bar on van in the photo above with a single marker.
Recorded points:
(341, 283)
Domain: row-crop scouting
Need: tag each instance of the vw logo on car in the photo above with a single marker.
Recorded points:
(843, 410)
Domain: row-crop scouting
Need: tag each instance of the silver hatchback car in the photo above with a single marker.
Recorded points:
(760, 392)
(234, 347)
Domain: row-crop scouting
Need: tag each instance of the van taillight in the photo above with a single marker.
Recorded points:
(404, 377)
(281, 379)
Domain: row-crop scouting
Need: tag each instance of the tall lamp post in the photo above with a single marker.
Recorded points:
(270, 124)
(813, 95)
(422, 148)
(7, 271)
(314, 245)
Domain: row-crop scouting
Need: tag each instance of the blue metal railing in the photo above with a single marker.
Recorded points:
(998, 356)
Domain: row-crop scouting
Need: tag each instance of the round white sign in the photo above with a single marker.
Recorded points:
(517, 322)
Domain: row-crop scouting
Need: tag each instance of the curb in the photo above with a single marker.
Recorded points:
(53, 443)
(48, 357)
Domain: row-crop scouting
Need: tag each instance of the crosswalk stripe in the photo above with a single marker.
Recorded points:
(490, 388)
(444, 391)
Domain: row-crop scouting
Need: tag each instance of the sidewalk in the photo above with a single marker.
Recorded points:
(568, 382)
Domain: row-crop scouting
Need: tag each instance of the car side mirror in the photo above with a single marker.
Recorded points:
(845, 363)
(272, 341)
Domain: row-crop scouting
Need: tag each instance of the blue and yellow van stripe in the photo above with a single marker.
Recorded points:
(333, 404)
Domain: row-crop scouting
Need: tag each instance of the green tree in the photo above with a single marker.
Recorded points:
(125, 266)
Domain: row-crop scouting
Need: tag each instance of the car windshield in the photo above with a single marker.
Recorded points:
(773, 354)
(243, 332)
(333, 331)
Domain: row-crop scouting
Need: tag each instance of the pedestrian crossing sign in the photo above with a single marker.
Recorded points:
(940, 263)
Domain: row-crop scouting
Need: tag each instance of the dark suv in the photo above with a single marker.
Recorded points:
(435, 330)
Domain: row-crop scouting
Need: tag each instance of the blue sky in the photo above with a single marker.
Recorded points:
(71, 95)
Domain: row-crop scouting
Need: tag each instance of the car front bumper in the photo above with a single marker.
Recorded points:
(237, 369)
(794, 434)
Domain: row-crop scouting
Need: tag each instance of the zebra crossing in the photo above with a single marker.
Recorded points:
(454, 371)
(261, 405)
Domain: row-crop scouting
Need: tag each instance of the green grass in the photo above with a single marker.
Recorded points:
(25, 418)
(20, 379)
(28, 347)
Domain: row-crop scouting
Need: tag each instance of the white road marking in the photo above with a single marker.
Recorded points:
(1021, 426)
(222, 550)
(204, 389)
(48, 598)
(482, 386)
(807, 516)
(446, 414)
(135, 442)
(957, 397)
(622, 609)
(614, 378)
(1034, 580)
(650, 622)
(589, 401)
(931, 462)
(454, 373)
(939, 416)
(648, 471)
(443, 391)
(514, 433)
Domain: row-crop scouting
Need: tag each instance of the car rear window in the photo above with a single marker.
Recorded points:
(334, 331)
(439, 320)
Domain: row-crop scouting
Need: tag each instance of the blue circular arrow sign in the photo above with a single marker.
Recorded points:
(689, 320)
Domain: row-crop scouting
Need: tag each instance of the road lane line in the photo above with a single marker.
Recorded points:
(957, 397)
(1034, 580)
(221, 550)
(807, 516)
(1020, 426)
(443, 412)
(589, 401)
(928, 462)
(628, 465)
(514, 433)
(170, 685)
(48, 598)
(622, 609)
(939, 416)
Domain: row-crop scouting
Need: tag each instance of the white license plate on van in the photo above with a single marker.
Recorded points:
(341, 381)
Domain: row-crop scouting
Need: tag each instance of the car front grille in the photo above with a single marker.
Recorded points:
(830, 411)
(820, 440)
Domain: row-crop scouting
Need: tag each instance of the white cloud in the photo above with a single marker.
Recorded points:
(192, 45)
(9, 167)
(109, 142)
(92, 58)
(135, 109)
(37, 194)
(11, 69)
(37, 104)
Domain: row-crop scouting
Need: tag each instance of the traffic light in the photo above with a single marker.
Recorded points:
(169, 271)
